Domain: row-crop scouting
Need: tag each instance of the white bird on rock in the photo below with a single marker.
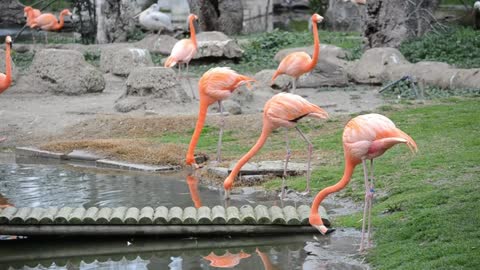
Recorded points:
(153, 19)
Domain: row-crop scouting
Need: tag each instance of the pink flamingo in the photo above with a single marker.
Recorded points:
(282, 110)
(365, 137)
(48, 22)
(215, 85)
(298, 63)
(31, 14)
(6, 79)
(184, 50)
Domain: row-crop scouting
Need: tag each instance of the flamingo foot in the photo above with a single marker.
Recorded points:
(306, 192)
(323, 229)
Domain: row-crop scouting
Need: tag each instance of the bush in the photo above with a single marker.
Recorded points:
(457, 46)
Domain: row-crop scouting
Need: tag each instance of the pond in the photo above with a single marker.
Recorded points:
(63, 184)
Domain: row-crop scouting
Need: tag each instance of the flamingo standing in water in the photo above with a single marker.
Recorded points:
(215, 85)
(298, 63)
(6, 79)
(184, 50)
(365, 137)
(48, 22)
(192, 182)
(282, 110)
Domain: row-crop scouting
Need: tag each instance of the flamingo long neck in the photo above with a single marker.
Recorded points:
(202, 114)
(347, 175)
(59, 26)
(8, 70)
(30, 16)
(266, 130)
(316, 47)
(193, 36)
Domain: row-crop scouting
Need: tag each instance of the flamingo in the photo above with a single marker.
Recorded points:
(31, 14)
(6, 79)
(48, 22)
(192, 182)
(282, 110)
(227, 260)
(298, 63)
(184, 50)
(153, 19)
(365, 137)
(215, 85)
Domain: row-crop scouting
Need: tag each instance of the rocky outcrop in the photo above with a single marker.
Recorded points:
(11, 12)
(374, 63)
(345, 16)
(157, 82)
(162, 44)
(326, 50)
(217, 44)
(64, 72)
(121, 61)
(225, 15)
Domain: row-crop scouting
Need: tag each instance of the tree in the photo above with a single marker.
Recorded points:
(389, 22)
(218, 15)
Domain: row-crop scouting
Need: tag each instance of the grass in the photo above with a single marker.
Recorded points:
(428, 217)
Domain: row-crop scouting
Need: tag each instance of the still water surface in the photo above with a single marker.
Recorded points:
(33, 185)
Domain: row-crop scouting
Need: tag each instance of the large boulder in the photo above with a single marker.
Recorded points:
(11, 12)
(2, 66)
(217, 44)
(122, 61)
(373, 63)
(162, 44)
(157, 82)
(345, 15)
(64, 72)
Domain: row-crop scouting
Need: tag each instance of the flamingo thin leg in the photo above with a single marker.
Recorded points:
(294, 85)
(189, 84)
(365, 174)
(310, 150)
(287, 158)
(370, 194)
(220, 134)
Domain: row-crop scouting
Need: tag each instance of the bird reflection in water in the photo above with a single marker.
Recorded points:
(192, 182)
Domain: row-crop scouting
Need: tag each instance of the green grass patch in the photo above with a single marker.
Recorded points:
(456, 45)
(427, 216)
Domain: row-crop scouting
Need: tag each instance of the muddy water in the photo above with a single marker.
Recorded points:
(35, 185)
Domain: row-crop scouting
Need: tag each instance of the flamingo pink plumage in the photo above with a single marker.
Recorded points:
(6, 79)
(31, 14)
(215, 85)
(365, 137)
(298, 63)
(282, 110)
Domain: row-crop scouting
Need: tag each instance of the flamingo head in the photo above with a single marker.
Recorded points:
(227, 184)
(8, 40)
(317, 18)
(192, 17)
(66, 12)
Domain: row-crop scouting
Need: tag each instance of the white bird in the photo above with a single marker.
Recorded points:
(153, 19)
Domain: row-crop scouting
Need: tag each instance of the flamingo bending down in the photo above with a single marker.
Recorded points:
(298, 63)
(31, 14)
(365, 137)
(48, 22)
(184, 50)
(282, 110)
(215, 85)
(6, 79)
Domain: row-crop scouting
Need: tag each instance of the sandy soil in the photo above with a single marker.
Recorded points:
(31, 118)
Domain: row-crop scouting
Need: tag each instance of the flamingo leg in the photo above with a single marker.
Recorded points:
(179, 75)
(220, 134)
(365, 175)
(287, 158)
(189, 84)
(310, 150)
(294, 85)
(370, 195)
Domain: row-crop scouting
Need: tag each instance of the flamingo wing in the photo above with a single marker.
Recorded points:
(45, 21)
(219, 83)
(294, 64)
(183, 51)
(285, 109)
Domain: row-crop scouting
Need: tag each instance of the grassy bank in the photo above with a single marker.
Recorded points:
(426, 211)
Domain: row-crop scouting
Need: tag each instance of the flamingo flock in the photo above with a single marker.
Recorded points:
(365, 137)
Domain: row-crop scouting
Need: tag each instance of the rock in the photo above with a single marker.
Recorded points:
(274, 167)
(217, 44)
(373, 63)
(291, 4)
(9, 12)
(225, 15)
(345, 16)
(264, 78)
(326, 50)
(122, 61)
(230, 106)
(64, 72)
(162, 44)
(130, 104)
(157, 82)
(2, 66)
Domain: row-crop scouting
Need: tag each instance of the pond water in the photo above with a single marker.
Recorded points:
(58, 185)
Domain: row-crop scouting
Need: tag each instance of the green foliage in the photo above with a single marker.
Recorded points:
(55, 6)
(22, 60)
(92, 58)
(318, 6)
(458, 46)
(405, 90)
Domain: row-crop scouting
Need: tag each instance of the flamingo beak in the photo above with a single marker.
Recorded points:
(323, 229)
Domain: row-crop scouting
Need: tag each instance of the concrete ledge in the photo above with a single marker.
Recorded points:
(37, 153)
(105, 163)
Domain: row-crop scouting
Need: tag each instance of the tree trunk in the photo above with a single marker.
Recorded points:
(218, 15)
(11, 12)
(389, 22)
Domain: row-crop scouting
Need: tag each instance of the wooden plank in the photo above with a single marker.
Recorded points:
(103, 215)
(132, 215)
(118, 215)
(247, 215)
(291, 215)
(277, 215)
(35, 216)
(204, 215)
(233, 215)
(76, 217)
(21, 215)
(62, 215)
(48, 216)
(219, 215)
(262, 215)
(90, 216)
(189, 216)
(175, 215)
(161, 215)
(7, 214)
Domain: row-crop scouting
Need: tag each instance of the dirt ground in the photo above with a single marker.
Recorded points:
(31, 118)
